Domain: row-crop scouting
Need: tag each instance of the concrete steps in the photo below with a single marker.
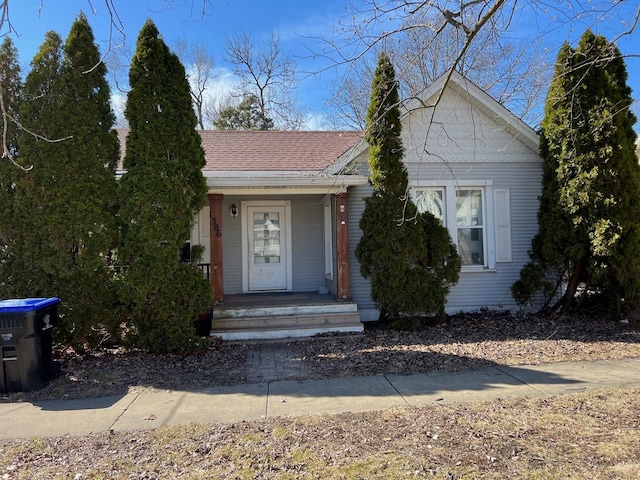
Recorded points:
(265, 322)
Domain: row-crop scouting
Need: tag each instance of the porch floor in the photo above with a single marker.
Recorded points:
(282, 315)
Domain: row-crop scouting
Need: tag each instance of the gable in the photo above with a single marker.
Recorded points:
(461, 124)
(465, 126)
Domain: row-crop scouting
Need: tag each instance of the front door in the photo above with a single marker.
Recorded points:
(267, 246)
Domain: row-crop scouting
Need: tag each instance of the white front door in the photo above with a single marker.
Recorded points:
(266, 244)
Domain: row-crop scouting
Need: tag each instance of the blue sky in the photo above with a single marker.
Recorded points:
(297, 21)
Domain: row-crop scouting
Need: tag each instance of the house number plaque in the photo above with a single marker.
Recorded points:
(216, 227)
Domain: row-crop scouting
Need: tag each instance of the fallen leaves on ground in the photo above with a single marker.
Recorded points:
(463, 341)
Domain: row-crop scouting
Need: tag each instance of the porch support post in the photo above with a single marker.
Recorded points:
(342, 246)
(215, 224)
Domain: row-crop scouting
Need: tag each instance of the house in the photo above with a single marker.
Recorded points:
(474, 165)
(281, 222)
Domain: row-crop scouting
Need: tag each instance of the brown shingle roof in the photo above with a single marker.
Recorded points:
(271, 150)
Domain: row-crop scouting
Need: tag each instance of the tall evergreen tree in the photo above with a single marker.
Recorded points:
(30, 267)
(409, 257)
(67, 201)
(590, 202)
(10, 95)
(160, 193)
(90, 187)
(10, 89)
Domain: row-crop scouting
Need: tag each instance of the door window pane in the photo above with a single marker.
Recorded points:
(266, 237)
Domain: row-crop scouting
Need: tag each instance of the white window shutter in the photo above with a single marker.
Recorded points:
(502, 224)
(205, 226)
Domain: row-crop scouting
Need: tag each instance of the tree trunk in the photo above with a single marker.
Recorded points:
(572, 286)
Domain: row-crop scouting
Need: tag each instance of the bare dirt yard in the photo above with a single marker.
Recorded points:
(585, 435)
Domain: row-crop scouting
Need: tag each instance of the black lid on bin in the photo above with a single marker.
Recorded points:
(26, 304)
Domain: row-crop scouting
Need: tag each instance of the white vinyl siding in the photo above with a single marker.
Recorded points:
(201, 233)
(232, 246)
(360, 287)
(514, 225)
(307, 213)
(463, 145)
(328, 238)
(512, 202)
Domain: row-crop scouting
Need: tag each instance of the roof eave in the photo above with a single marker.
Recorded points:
(283, 179)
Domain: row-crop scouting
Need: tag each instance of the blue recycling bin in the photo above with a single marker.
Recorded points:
(26, 329)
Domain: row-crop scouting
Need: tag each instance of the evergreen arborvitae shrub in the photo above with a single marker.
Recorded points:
(590, 203)
(11, 91)
(64, 207)
(160, 194)
(31, 224)
(408, 257)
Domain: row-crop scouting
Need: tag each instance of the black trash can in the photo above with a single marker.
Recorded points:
(26, 328)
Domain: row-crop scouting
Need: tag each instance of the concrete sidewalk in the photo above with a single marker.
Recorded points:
(152, 409)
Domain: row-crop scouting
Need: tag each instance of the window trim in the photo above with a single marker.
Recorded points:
(450, 187)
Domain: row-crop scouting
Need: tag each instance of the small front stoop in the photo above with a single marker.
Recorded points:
(252, 322)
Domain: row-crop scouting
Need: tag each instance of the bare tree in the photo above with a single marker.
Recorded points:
(514, 73)
(200, 65)
(269, 74)
(469, 35)
(350, 96)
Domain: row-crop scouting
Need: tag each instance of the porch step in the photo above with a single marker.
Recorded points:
(285, 326)
(270, 311)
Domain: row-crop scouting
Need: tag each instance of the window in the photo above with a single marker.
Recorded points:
(470, 224)
(478, 219)
(432, 200)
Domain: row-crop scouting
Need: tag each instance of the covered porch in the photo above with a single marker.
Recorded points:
(302, 286)
(275, 233)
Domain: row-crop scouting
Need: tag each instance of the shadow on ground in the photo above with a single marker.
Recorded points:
(464, 342)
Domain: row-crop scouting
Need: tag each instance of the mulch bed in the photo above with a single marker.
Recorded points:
(463, 341)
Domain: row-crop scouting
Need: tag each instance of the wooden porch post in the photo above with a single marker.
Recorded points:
(342, 246)
(215, 224)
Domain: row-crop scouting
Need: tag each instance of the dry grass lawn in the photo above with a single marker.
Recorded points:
(593, 435)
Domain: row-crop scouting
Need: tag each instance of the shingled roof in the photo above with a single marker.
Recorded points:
(271, 150)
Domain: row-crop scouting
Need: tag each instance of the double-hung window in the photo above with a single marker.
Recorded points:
(470, 226)
(477, 217)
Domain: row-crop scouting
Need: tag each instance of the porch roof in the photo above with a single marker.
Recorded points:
(274, 150)
(273, 160)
